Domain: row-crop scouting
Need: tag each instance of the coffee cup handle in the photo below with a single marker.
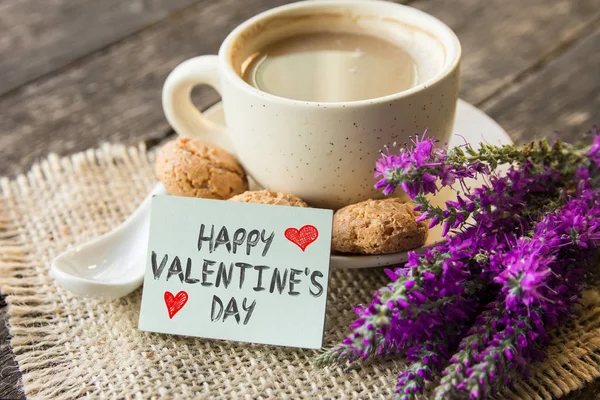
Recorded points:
(177, 103)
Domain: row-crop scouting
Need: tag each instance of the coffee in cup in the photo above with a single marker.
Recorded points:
(331, 67)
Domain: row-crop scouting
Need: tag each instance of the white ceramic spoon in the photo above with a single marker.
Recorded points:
(111, 265)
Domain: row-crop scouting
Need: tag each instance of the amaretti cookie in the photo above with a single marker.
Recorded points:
(270, 197)
(194, 168)
(377, 227)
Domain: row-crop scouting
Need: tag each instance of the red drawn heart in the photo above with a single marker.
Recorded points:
(302, 237)
(175, 303)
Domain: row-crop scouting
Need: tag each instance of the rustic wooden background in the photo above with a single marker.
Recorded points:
(75, 73)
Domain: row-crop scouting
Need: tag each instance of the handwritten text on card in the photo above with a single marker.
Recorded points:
(215, 264)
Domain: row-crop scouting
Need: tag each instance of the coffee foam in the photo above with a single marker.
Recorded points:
(423, 46)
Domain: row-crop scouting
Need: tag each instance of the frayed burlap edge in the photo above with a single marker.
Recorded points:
(70, 347)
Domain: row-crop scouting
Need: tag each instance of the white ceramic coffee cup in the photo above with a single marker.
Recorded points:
(323, 152)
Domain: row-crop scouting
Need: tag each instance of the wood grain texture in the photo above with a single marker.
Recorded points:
(10, 377)
(563, 96)
(40, 36)
(501, 39)
(114, 95)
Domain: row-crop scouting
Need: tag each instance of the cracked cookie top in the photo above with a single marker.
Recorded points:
(194, 168)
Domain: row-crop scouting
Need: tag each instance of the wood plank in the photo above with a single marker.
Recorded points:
(115, 94)
(502, 39)
(10, 377)
(563, 96)
(39, 36)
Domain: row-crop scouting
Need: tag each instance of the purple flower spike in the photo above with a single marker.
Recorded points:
(523, 240)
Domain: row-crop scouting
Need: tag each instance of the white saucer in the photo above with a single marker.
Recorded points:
(472, 125)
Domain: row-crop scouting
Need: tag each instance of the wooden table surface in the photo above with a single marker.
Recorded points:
(75, 73)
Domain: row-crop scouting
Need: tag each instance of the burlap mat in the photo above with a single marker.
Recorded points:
(69, 347)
